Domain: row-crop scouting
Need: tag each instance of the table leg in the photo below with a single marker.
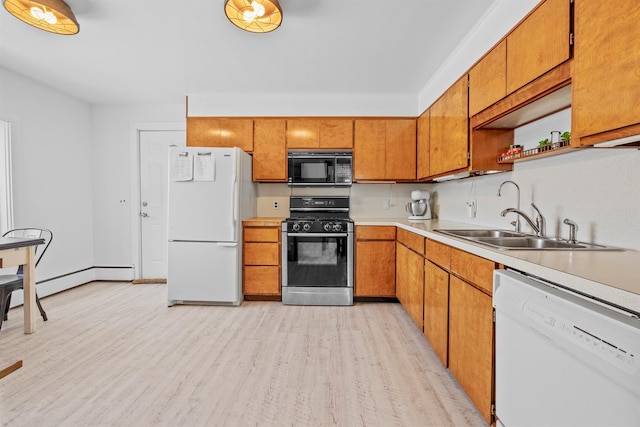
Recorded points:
(29, 287)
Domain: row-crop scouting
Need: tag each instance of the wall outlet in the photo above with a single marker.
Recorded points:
(386, 204)
(472, 208)
(276, 205)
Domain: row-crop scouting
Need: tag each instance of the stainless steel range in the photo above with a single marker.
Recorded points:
(317, 252)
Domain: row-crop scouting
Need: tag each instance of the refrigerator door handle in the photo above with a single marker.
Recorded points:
(228, 244)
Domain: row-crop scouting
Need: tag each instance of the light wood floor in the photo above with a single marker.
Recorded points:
(115, 354)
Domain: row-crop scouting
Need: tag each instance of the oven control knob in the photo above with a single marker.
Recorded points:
(327, 226)
(337, 227)
(306, 226)
(296, 226)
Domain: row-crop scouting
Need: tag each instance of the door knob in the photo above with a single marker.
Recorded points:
(144, 203)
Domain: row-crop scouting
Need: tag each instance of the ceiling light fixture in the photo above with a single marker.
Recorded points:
(54, 16)
(256, 16)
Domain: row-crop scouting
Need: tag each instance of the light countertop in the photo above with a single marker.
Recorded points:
(611, 276)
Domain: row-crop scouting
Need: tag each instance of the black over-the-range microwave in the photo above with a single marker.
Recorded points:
(320, 168)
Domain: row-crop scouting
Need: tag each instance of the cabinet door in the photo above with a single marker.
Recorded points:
(369, 149)
(269, 150)
(471, 343)
(303, 133)
(409, 282)
(220, 132)
(436, 309)
(336, 133)
(422, 146)
(261, 280)
(488, 79)
(449, 127)
(375, 268)
(400, 150)
(605, 81)
(539, 43)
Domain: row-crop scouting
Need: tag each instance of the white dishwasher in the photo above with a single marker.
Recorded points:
(561, 359)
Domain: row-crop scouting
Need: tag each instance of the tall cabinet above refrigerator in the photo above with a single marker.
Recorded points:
(210, 193)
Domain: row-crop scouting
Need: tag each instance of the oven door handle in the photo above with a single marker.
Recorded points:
(317, 234)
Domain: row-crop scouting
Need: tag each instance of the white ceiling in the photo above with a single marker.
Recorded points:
(158, 51)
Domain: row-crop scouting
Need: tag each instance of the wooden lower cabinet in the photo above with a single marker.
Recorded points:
(261, 259)
(375, 261)
(458, 319)
(436, 309)
(409, 282)
(471, 352)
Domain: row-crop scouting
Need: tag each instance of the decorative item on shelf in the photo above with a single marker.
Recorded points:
(255, 16)
(54, 16)
(544, 145)
(514, 152)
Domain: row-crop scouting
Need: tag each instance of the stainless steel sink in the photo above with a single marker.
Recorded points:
(478, 233)
(510, 240)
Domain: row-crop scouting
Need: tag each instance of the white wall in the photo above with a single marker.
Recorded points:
(52, 172)
(114, 174)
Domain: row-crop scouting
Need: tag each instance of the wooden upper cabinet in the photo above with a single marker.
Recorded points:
(220, 132)
(369, 149)
(539, 43)
(385, 149)
(488, 79)
(303, 133)
(606, 80)
(313, 133)
(401, 149)
(449, 130)
(422, 146)
(269, 150)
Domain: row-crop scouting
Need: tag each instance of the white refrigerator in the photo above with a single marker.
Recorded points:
(210, 193)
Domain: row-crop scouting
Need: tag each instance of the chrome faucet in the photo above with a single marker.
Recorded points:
(539, 226)
(515, 223)
(573, 227)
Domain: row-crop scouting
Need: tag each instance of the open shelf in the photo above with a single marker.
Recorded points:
(538, 152)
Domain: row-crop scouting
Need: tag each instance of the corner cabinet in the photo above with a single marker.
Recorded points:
(269, 150)
(606, 81)
(384, 149)
(261, 253)
(375, 261)
(409, 273)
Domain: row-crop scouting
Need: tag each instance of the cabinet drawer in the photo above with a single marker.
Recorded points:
(375, 233)
(261, 280)
(411, 240)
(261, 254)
(438, 253)
(473, 269)
(261, 234)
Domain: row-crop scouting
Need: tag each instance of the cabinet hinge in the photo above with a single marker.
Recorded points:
(493, 409)
(571, 39)
(468, 155)
(494, 316)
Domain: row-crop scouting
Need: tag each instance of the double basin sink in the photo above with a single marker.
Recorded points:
(504, 239)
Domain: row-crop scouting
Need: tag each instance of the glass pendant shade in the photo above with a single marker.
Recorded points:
(256, 16)
(54, 16)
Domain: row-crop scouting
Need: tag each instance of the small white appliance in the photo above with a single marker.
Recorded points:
(420, 206)
(210, 193)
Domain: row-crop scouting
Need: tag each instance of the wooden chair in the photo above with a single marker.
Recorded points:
(12, 282)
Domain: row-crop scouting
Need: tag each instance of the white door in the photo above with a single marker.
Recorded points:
(154, 149)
